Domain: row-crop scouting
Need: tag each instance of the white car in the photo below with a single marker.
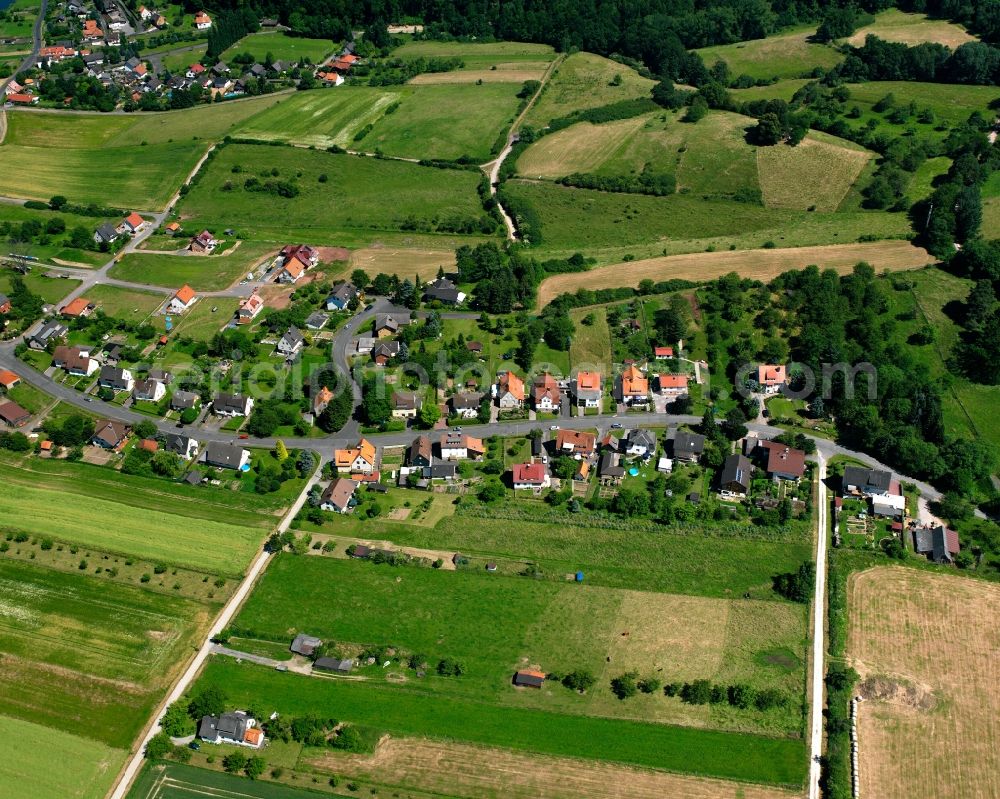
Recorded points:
(554, 427)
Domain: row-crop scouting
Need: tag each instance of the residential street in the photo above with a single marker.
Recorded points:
(816, 702)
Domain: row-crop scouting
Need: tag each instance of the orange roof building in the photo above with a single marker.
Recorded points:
(588, 381)
(510, 390)
(634, 385)
(173, 227)
(76, 308)
(185, 294)
(360, 459)
(8, 379)
(771, 376)
(321, 400)
(672, 384)
(149, 444)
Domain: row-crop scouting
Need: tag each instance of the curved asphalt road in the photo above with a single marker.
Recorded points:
(36, 45)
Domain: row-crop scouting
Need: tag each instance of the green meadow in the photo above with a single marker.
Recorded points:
(281, 47)
(784, 55)
(201, 272)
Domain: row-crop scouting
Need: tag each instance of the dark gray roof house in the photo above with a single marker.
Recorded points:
(105, 233)
(228, 728)
(858, 480)
(48, 331)
(609, 467)
(115, 378)
(440, 471)
(466, 401)
(687, 446)
(305, 644)
(443, 290)
(316, 320)
(231, 405)
(182, 400)
(258, 71)
(640, 440)
(334, 665)
(225, 455)
(735, 476)
(291, 342)
(938, 543)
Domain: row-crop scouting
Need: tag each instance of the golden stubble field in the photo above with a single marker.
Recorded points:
(927, 647)
(889, 256)
(461, 770)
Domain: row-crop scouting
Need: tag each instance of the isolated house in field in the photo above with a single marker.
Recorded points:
(586, 390)
(360, 459)
(530, 476)
(444, 291)
(226, 455)
(132, 224)
(734, 480)
(290, 342)
(545, 393)
(575, 443)
(202, 21)
(13, 414)
(182, 300)
(937, 543)
(632, 386)
(111, 435)
(687, 447)
(509, 390)
(466, 404)
(249, 309)
(528, 678)
(771, 377)
(231, 728)
(226, 404)
(406, 404)
(204, 243)
(303, 254)
(305, 644)
(338, 497)
(420, 452)
(115, 378)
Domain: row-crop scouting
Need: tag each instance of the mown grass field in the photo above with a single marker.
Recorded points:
(894, 25)
(88, 656)
(155, 534)
(445, 121)
(911, 629)
(591, 345)
(320, 118)
(281, 47)
(124, 303)
(610, 226)
(176, 781)
(817, 173)
(785, 55)
(201, 272)
(477, 55)
(50, 289)
(402, 712)
(583, 81)
(57, 765)
(201, 322)
(353, 198)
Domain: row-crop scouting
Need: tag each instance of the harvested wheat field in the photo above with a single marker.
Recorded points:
(885, 256)
(461, 770)
(912, 29)
(790, 176)
(928, 650)
(402, 261)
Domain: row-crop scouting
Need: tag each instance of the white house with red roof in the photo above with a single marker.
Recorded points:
(531, 477)
(771, 377)
(202, 21)
(182, 300)
(131, 224)
(204, 242)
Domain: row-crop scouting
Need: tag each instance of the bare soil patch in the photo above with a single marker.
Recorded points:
(461, 770)
(927, 647)
(888, 256)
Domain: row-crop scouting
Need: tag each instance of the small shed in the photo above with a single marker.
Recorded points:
(528, 678)
(334, 665)
(305, 644)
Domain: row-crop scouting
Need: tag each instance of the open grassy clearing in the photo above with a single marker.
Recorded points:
(57, 765)
(951, 103)
(476, 54)
(87, 655)
(515, 72)
(320, 118)
(583, 81)
(991, 217)
(462, 770)
(360, 186)
(85, 480)
(782, 90)
(201, 272)
(778, 761)
(611, 226)
(201, 322)
(50, 289)
(591, 344)
(445, 121)
(404, 262)
(281, 47)
(56, 250)
(894, 25)
(557, 626)
(922, 183)
(784, 55)
(143, 178)
(125, 303)
(681, 562)
(154, 534)
(918, 634)
(817, 173)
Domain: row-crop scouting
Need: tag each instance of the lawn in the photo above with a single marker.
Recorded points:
(403, 712)
(201, 272)
(446, 122)
(591, 345)
(281, 47)
(784, 55)
(123, 303)
(155, 534)
(559, 625)
(607, 225)
(201, 322)
(57, 765)
(583, 81)
(320, 118)
(423, 198)
(88, 655)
